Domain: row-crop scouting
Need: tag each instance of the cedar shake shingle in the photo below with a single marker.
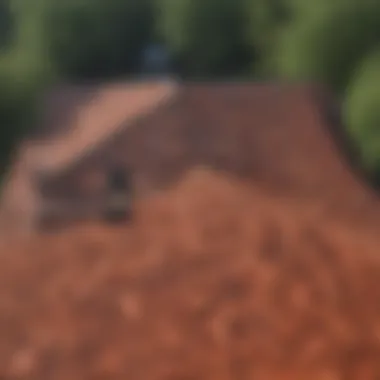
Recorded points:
(278, 135)
(112, 107)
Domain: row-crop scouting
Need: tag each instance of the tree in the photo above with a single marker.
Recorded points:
(327, 45)
(362, 112)
(6, 25)
(206, 36)
(25, 70)
(267, 19)
(96, 38)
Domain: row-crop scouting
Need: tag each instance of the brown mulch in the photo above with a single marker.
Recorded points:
(213, 280)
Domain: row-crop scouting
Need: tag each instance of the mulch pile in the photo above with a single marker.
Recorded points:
(215, 280)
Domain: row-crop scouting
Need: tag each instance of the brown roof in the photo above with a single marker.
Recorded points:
(110, 108)
(275, 133)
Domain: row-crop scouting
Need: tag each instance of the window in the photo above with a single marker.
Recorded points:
(118, 179)
(119, 194)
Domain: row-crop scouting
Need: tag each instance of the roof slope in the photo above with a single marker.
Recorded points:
(272, 133)
(112, 107)
(278, 135)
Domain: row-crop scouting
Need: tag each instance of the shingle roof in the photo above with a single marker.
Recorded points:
(278, 131)
(110, 108)
(247, 121)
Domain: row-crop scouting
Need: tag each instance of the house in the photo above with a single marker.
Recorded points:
(277, 134)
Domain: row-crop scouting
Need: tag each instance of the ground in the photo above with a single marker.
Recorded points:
(215, 279)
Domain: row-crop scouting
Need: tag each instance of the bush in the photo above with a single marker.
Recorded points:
(326, 46)
(207, 37)
(362, 112)
(266, 20)
(25, 70)
(96, 38)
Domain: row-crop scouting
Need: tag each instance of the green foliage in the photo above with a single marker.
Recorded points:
(327, 41)
(6, 25)
(327, 45)
(266, 21)
(362, 111)
(24, 72)
(97, 38)
(206, 36)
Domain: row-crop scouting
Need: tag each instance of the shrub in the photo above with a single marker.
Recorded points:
(362, 112)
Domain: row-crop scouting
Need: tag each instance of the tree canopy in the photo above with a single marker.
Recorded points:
(206, 37)
(95, 38)
(362, 111)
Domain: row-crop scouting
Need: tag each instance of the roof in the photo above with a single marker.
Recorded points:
(253, 120)
(97, 113)
(277, 134)
(78, 119)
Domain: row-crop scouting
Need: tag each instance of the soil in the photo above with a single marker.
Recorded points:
(216, 278)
